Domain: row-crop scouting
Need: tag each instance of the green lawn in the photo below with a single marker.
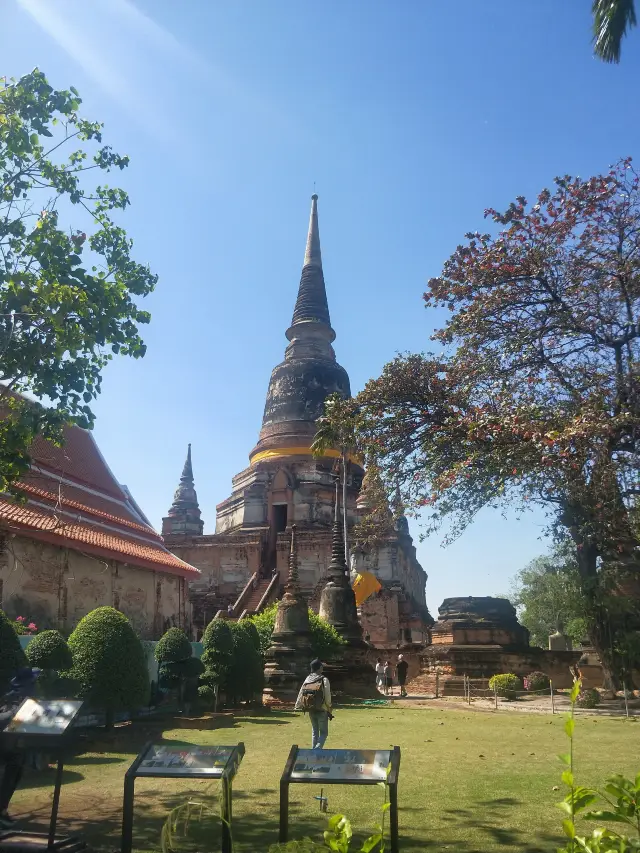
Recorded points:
(469, 781)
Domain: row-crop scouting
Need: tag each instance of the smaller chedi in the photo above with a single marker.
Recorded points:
(478, 637)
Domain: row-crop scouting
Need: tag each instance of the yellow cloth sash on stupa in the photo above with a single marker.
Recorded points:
(364, 586)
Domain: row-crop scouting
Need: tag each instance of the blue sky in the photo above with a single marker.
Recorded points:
(410, 117)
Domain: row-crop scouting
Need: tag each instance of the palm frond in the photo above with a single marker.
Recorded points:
(611, 21)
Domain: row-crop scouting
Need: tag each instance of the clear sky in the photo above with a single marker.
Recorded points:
(409, 117)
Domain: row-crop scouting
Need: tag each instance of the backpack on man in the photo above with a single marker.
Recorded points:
(312, 696)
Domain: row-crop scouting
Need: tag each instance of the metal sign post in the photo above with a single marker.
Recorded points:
(43, 725)
(183, 761)
(341, 767)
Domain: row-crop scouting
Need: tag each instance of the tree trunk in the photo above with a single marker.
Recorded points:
(109, 719)
(344, 506)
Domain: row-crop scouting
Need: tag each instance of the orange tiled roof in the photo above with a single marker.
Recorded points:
(74, 500)
(62, 530)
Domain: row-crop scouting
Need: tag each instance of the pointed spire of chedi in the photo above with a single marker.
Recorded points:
(301, 383)
(338, 600)
(184, 515)
(311, 304)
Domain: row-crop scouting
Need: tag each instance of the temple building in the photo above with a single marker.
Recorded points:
(244, 564)
(80, 541)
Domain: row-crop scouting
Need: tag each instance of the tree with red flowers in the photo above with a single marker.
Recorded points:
(535, 398)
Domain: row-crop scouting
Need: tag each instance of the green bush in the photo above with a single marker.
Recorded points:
(49, 650)
(246, 676)
(12, 657)
(507, 685)
(537, 682)
(588, 698)
(109, 662)
(173, 646)
(218, 654)
(325, 640)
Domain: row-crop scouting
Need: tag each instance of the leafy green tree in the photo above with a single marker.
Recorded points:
(547, 593)
(611, 21)
(325, 640)
(334, 430)
(109, 663)
(12, 657)
(535, 397)
(68, 295)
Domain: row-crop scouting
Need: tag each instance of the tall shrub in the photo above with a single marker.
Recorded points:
(217, 657)
(246, 676)
(12, 657)
(109, 662)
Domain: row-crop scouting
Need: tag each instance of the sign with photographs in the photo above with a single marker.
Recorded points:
(183, 760)
(341, 765)
(44, 717)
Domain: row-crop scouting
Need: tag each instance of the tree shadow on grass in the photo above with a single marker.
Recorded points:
(487, 820)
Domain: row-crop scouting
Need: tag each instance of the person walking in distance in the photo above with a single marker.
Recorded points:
(314, 698)
(379, 674)
(387, 674)
(401, 668)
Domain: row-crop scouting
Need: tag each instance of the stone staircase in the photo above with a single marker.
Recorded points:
(255, 597)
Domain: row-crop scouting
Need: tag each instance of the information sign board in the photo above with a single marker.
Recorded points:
(185, 761)
(182, 761)
(341, 765)
(43, 717)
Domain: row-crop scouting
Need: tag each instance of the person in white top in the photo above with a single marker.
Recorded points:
(379, 674)
(315, 698)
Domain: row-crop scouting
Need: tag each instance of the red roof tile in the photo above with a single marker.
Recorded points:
(74, 500)
(65, 531)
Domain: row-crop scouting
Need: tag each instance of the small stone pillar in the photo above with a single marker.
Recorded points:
(289, 655)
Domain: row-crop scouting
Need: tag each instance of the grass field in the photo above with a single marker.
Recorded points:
(469, 781)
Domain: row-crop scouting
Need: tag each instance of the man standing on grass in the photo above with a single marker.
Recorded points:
(315, 698)
(401, 669)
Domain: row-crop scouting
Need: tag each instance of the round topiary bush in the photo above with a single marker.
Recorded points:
(537, 682)
(49, 650)
(109, 662)
(173, 646)
(588, 698)
(12, 656)
(506, 685)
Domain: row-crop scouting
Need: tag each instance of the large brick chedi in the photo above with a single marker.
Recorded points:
(245, 562)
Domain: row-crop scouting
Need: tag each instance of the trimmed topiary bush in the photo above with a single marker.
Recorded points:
(179, 670)
(537, 682)
(246, 675)
(217, 658)
(173, 646)
(50, 652)
(12, 657)
(506, 685)
(588, 698)
(109, 663)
